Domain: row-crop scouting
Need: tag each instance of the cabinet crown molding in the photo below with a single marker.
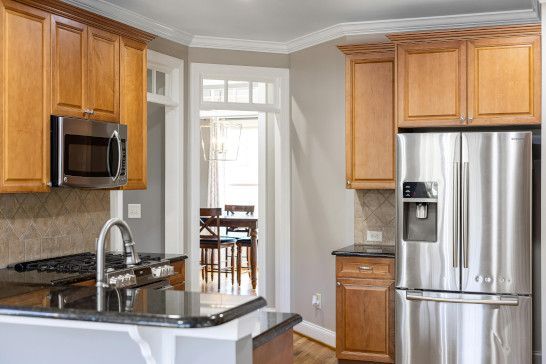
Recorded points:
(366, 48)
(466, 33)
(58, 7)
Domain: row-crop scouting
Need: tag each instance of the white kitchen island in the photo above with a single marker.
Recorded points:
(132, 326)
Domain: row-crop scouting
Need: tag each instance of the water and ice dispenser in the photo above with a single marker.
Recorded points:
(420, 201)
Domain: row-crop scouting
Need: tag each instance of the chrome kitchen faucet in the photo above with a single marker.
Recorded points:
(131, 256)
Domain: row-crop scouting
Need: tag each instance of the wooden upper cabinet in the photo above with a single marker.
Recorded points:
(431, 84)
(370, 126)
(465, 77)
(504, 81)
(25, 104)
(69, 63)
(103, 75)
(133, 109)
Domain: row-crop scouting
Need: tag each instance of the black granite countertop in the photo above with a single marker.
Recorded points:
(356, 250)
(9, 274)
(147, 307)
(273, 324)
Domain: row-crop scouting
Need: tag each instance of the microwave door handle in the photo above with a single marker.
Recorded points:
(108, 151)
(115, 135)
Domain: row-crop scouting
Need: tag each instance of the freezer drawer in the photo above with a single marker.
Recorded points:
(453, 328)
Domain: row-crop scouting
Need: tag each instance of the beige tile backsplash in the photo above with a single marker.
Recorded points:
(375, 211)
(43, 225)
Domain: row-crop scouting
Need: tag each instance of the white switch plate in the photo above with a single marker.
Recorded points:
(133, 211)
(374, 235)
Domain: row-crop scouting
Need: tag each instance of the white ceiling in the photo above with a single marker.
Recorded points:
(277, 22)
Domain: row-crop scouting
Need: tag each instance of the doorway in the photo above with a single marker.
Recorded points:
(224, 96)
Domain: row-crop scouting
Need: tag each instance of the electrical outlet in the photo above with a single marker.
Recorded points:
(316, 301)
(374, 235)
(133, 211)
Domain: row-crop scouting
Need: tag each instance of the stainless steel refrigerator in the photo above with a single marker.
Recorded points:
(463, 263)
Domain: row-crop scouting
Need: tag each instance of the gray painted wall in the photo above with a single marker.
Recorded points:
(322, 209)
(149, 230)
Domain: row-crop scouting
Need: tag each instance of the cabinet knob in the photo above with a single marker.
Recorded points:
(89, 111)
(338, 284)
(462, 118)
(348, 182)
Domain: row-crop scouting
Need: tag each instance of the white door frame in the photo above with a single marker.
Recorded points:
(173, 100)
(281, 140)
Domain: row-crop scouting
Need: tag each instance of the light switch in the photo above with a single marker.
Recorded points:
(133, 211)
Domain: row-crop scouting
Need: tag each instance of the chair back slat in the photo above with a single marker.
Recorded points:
(231, 209)
(209, 222)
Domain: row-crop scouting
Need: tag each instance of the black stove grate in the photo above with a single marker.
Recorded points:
(79, 263)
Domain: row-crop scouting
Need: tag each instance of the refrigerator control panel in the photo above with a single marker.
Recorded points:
(420, 190)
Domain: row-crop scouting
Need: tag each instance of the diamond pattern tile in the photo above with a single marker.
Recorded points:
(375, 210)
(43, 225)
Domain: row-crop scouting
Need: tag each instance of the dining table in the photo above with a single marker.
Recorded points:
(249, 221)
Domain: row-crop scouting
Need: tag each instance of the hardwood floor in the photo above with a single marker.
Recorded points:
(307, 351)
(227, 288)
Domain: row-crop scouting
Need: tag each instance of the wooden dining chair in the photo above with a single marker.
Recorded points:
(232, 209)
(212, 241)
(245, 243)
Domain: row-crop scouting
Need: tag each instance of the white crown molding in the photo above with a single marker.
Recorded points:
(412, 24)
(110, 10)
(134, 19)
(202, 41)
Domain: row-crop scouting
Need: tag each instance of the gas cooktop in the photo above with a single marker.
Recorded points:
(80, 263)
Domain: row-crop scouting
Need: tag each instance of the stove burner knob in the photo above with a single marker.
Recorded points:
(169, 270)
(156, 272)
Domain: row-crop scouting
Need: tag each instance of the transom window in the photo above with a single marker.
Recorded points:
(253, 92)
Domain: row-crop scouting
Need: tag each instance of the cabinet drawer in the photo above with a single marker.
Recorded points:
(357, 267)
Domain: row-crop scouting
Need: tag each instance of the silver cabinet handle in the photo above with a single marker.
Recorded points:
(465, 215)
(365, 267)
(503, 301)
(457, 209)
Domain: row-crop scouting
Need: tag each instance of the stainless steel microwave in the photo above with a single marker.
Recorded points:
(87, 153)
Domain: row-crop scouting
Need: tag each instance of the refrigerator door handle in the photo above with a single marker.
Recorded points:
(456, 215)
(503, 301)
(465, 214)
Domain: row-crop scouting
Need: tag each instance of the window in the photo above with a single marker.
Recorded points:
(230, 91)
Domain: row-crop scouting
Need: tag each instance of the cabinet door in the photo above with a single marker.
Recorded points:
(25, 105)
(133, 110)
(365, 320)
(504, 81)
(103, 68)
(370, 123)
(69, 62)
(431, 82)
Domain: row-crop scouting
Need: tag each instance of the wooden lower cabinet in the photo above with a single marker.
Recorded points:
(178, 281)
(38, 298)
(278, 350)
(365, 317)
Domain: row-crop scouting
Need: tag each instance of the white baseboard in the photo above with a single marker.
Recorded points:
(316, 332)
